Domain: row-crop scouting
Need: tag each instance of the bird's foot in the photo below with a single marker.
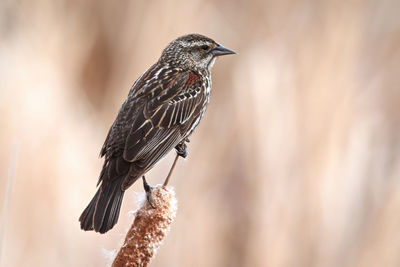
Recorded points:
(148, 190)
(181, 149)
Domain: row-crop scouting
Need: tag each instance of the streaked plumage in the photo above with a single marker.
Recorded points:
(163, 108)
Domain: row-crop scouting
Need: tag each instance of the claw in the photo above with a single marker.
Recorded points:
(148, 190)
(181, 149)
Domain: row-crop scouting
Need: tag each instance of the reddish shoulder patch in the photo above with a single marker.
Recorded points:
(192, 78)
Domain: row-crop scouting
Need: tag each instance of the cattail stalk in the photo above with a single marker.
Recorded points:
(149, 228)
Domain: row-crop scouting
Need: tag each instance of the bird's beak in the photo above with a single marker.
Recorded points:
(220, 50)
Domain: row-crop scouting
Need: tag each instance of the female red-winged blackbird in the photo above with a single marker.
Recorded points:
(162, 109)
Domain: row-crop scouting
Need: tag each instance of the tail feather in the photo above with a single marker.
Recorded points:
(86, 218)
(112, 212)
(103, 210)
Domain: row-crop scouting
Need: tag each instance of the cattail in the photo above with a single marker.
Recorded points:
(149, 228)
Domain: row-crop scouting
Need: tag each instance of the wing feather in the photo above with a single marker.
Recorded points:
(166, 113)
(145, 132)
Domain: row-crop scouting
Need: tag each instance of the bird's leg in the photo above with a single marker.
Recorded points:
(148, 189)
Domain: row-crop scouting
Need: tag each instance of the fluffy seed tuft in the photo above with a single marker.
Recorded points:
(150, 227)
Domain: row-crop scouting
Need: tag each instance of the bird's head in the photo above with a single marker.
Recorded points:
(194, 52)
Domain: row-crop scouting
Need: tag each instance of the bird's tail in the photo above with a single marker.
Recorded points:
(103, 210)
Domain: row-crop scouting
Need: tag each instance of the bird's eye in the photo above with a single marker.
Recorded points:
(205, 47)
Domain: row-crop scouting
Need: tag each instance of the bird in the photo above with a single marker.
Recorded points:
(162, 109)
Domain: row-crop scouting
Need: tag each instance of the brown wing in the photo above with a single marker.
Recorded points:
(145, 88)
(164, 121)
(152, 120)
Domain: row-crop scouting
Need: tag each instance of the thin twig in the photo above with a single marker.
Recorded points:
(170, 171)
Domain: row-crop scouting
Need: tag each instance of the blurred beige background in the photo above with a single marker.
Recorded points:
(296, 163)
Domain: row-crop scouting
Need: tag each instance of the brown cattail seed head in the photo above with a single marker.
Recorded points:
(149, 228)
